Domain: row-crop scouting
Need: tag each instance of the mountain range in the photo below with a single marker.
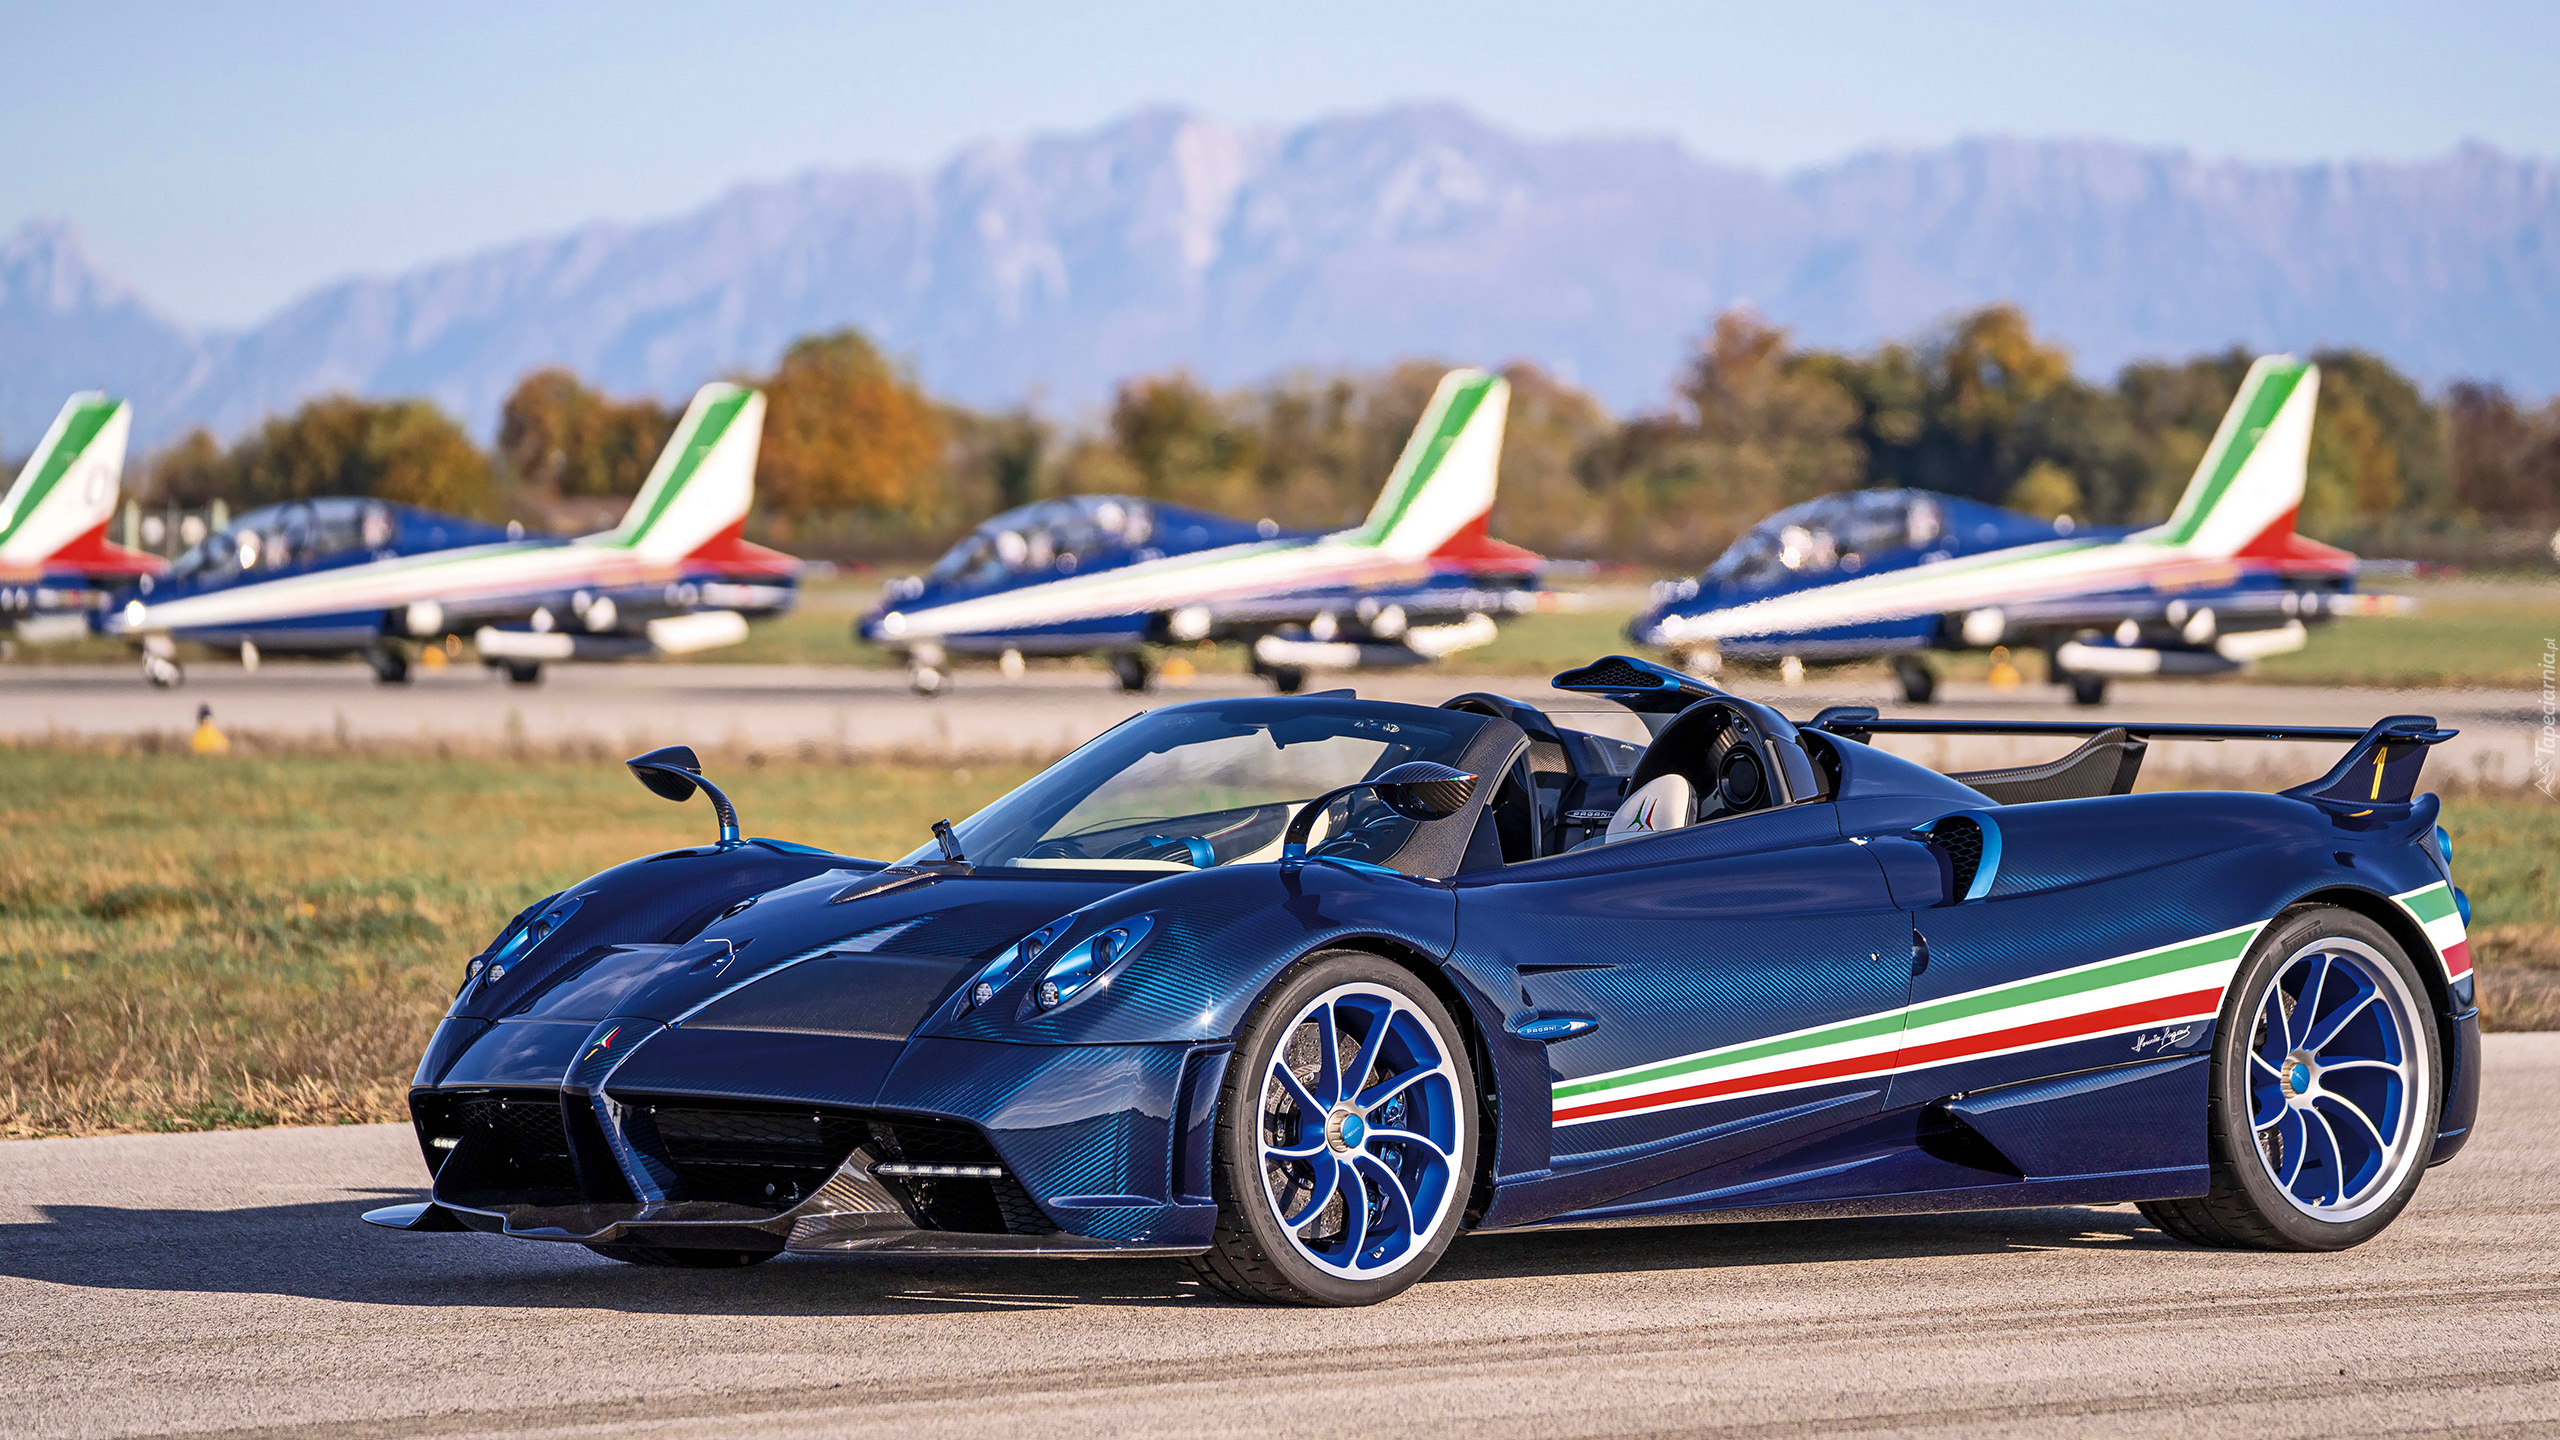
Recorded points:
(1047, 268)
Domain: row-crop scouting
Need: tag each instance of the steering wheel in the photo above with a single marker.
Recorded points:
(1190, 849)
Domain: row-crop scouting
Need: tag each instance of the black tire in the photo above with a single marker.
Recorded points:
(390, 666)
(670, 1257)
(1254, 1256)
(1132, 671)
(1919, 682)
(2247, 1208)
(2088, 689)
(524, 672)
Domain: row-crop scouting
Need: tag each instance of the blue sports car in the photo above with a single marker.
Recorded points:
(1297, 989)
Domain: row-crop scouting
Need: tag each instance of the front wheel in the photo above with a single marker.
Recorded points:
(2324, 1091)
(1346, 1138)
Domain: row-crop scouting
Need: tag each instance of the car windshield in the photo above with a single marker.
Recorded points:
(1214, 783)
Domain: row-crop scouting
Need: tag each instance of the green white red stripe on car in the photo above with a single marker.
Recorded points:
(2169, 985)
(2433, 907)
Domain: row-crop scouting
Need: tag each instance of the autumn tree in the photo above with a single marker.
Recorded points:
(561, 437)
(194, 471)
(403, 450)
(1180, 443)
(844, 428)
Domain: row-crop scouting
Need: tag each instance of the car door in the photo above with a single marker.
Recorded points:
(1744, 974)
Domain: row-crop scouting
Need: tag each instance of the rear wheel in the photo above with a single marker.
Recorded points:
(1346, 1138)
(670, 1257)
(2324, 1091)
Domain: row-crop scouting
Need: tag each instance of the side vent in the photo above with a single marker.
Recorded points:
(1970, 845)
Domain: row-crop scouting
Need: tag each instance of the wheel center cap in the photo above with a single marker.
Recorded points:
(2297, 1077)
(1346, 1131)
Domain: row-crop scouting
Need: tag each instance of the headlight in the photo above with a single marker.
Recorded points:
(522, 934)
(1030, 948)
(1090, 961)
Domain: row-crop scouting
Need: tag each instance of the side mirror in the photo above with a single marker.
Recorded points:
(1417, 790)
(674, 773)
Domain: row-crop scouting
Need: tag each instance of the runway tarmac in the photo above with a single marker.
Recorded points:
(1047, 711)
(222, 1284)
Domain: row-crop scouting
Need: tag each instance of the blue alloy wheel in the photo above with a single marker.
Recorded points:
(1361, 1128)
(2325, 1090)
(2332, 1079)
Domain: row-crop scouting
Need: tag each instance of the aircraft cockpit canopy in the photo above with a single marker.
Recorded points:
(274, 538)
(1050, 537)
(1835, 532)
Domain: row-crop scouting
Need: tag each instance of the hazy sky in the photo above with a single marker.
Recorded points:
(224, 158)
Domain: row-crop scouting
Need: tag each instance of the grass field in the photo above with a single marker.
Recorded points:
(191, 943)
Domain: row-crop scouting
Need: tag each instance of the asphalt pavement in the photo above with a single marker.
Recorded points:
(1050, 710)
(222, 1284)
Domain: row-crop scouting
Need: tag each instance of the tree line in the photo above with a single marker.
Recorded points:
(859, 459)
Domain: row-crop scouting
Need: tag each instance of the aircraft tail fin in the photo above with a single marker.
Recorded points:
(2248, 487)
(1443, 483)
(67, 492)
(704, 480)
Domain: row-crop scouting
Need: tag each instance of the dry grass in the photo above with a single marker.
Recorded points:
(267, 937)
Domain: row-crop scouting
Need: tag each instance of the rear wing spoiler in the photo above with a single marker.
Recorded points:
(2380, 767)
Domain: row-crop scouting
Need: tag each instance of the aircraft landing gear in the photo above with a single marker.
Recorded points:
(2088, 689)
(1919, 682)
(927, 680)
(1130, 668)
(390, 666)
(163, 672)
(1287, 679)
(524, 672)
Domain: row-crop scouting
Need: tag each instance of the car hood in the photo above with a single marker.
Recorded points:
(871, 928)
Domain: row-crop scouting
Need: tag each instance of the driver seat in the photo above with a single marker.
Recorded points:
(1665, 802)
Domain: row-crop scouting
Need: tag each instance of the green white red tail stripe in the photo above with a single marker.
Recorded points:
(2169, 985)
(68, 487)
(2432, 906)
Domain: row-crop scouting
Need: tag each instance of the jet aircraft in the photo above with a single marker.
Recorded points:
(1897, 573)
(344, 576)
(56, 563)
(1109, 574)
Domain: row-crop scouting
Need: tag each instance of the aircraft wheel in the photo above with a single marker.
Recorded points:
(927, 680)
(1919, 682)
(2088, 689)
(1288, 679)
(389, 665)
(163, 672)
(524, 672)
(1346, 1138)
(1132, 671)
